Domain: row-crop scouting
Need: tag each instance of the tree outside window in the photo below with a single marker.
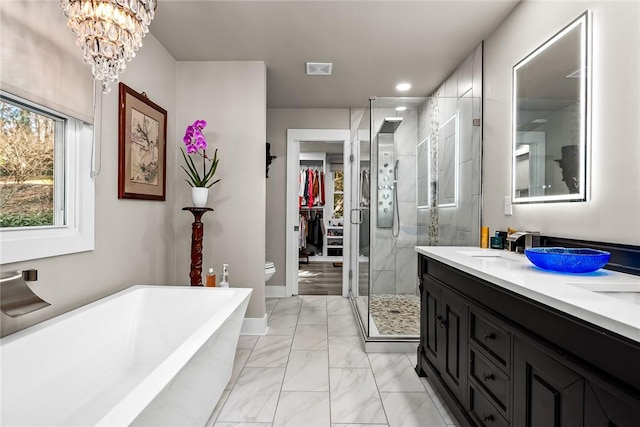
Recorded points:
(27, 145)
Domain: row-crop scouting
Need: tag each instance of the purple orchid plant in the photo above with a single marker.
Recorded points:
(196, 143)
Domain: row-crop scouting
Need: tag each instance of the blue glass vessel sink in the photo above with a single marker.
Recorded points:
(568, 260)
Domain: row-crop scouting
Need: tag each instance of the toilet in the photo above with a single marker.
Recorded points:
(269, 270)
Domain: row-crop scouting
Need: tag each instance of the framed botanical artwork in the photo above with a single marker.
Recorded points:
(142, 147)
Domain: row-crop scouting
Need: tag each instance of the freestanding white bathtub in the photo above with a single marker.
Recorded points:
(148, 355)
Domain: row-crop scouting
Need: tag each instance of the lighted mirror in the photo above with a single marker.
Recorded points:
(550, 118)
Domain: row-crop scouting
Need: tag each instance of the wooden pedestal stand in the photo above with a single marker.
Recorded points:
(197, 232)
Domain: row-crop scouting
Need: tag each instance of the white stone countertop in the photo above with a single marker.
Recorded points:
(569, 293)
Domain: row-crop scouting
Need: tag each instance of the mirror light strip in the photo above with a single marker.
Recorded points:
(584, 21)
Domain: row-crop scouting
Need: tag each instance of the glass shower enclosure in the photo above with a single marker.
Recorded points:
(415, 181)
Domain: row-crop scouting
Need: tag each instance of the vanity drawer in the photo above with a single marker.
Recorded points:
(495, 383)
(483, 412)
(495, 340)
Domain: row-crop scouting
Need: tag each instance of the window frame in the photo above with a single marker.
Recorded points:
(75, 232)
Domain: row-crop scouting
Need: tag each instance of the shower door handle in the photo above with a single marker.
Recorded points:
(357, 221)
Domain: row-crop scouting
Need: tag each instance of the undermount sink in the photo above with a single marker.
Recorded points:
(608, 287)
(489, 255)
(482, 254)
(632, 297)
(629, 292)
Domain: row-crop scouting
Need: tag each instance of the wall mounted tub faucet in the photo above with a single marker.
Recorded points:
(16, 298)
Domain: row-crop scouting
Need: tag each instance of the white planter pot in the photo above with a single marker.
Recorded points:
(199, 196)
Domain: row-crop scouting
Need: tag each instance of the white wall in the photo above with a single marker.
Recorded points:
(231, 97)
(133, 238)
(613, 212)
(278, 121)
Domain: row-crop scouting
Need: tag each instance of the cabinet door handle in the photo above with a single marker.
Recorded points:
(490, 336)
(438, 319)
(487, 418)
(488, 377)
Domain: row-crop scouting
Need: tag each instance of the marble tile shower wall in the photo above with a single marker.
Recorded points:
(461, 93)
(393, 259)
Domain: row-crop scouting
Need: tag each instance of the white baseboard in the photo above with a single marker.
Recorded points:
(275, 291)
(254, 326)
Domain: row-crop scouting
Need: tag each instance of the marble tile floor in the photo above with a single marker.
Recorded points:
(309, 370)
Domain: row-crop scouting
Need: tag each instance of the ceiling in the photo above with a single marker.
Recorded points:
(373, 44)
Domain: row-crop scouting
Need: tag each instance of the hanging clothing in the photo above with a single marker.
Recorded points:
(306, 188)
(302, 182)
(310, 188)
(316, 187)
(316, 232)
(302, 236)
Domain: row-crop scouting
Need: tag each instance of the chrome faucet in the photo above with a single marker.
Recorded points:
(16, 298)
(521, 240)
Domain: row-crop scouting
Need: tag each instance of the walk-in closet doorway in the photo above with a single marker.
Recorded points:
(317, 209)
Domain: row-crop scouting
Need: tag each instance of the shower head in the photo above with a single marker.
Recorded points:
(390, 124)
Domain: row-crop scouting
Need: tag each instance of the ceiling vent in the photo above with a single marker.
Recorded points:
(319, 68)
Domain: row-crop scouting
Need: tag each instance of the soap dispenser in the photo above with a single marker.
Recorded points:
(225, 276)
(211, 279)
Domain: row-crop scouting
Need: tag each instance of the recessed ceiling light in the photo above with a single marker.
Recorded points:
(403, 87)
(401, 108)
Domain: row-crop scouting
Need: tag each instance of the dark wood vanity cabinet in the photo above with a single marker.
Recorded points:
(445, 326)
(546, 393)
(499, 359)
(489, 369)
(604, 407)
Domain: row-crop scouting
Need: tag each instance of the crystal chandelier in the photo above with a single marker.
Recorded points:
(109, 32)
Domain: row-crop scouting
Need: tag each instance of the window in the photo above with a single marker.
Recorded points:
(31, 148)
(46, 192)
(338, 194)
